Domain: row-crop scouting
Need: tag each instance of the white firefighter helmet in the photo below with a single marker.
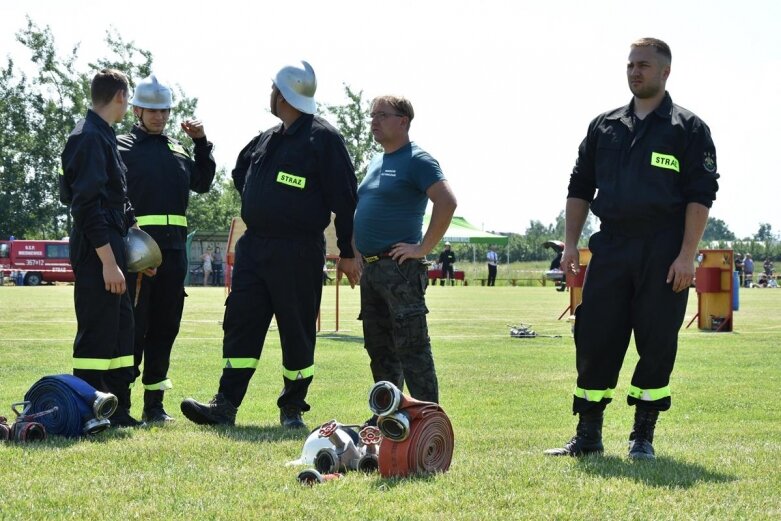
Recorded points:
(150, 93)
(142, 251)
(298, 84)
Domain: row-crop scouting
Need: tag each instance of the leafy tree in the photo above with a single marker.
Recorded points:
(214, 210)
(37, 115)
(16, 142)
(589, 227)
(717, 230)
(352, 121)
(765, 233)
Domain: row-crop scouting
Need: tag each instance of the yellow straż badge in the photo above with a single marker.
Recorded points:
(291, 180)
(664, 161)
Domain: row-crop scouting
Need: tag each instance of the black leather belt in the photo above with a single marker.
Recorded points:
(368, 259)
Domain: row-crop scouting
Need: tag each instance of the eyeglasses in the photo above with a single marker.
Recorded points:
(382, 115)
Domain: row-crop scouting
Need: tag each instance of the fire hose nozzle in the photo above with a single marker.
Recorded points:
(312, 477)
(28, 431)
(338, 460)
(369, 462)
(327, 461)
(5, 429)
(94, 426)
(384, 398)
(104, 405)
(394, 427)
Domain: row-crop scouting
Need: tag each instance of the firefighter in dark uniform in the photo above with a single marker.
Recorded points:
(446, 260)
(654, 166)
(93, 185)
(160, 175)
(291, 178)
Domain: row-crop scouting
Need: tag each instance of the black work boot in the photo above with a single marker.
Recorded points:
(219, 411)
(642, 436)
(290, 418)
(121, 417)
(153, 408)
(587, 439)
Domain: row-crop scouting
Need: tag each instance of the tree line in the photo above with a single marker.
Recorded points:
(37, 112)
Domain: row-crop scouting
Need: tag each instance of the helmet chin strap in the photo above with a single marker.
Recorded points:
(140, 118)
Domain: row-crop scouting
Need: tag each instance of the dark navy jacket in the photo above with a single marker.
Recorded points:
(291, 180)
(160, 175)
(93, 182)
(645, 173)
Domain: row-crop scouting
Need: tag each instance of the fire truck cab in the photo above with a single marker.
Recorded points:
(34, 262)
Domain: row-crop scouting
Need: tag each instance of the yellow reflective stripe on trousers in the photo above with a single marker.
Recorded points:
(299, 374)
(122, 361)
(103, 364)
(594, 395)
(649, 395)
(240, 363)
(161, 220)
(160, 386)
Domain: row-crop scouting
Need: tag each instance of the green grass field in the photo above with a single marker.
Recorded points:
(509, 399)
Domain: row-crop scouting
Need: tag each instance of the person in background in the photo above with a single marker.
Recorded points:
(160, 175)
(739, 267)
(217, 267)
(291, 177)
(446, 261)
(748, 270)
(648, 171)
(768, 267)
(207, 259)
(392, 199)
(555, 265)
(94, 187)
(493, 262)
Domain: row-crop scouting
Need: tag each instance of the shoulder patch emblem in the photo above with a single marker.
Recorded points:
(709, 162)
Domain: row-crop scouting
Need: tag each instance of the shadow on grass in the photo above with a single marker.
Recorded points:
(341, 338)
(390, 483)
(661, 472)
(256, 433)
(57, 442)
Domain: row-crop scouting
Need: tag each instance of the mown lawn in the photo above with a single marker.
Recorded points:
(508, 399)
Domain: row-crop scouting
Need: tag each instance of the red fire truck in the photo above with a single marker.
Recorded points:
(34, 262)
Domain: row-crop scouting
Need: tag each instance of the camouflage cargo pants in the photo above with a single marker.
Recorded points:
(393, 311)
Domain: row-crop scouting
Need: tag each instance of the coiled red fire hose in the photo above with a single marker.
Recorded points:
(417, 436)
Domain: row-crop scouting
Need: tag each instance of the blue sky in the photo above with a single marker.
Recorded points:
(503, 91)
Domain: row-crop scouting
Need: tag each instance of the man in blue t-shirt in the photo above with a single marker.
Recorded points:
(388, 223)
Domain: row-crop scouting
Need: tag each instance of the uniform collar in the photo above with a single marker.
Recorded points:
(99, 122)
(664, 110)
(297, 124)
(141, 134)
